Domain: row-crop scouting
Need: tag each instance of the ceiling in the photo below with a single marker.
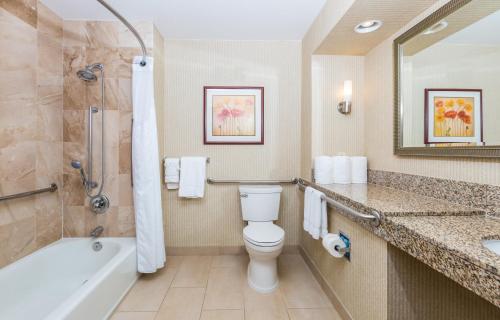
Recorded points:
(395, 14)
(483, 32)
(205, 19)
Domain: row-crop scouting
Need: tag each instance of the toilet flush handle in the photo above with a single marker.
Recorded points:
(243, 195)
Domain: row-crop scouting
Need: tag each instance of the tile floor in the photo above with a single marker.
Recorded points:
(215, 288)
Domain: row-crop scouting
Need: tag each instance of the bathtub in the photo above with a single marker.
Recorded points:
(69, 280)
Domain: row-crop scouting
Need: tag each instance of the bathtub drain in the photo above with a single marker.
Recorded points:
(97, 246)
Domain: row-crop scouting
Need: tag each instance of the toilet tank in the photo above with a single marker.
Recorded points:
(260, 203)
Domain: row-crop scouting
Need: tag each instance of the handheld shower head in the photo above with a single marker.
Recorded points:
(76, 164)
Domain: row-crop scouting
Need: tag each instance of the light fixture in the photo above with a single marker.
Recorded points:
(344, 106)
(441, 25)
(368, 26)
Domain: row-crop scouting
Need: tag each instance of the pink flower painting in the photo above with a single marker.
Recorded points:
(233, 115)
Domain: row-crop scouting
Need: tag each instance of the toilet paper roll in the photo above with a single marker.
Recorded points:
(359, 169)
(342, 169)
(323, 170)
(330, 241)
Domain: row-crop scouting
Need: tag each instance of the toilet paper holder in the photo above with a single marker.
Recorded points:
(347, 250)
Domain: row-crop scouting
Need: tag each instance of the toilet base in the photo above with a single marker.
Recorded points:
(263, 280)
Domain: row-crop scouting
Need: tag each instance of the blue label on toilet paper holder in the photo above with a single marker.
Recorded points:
(347, 242)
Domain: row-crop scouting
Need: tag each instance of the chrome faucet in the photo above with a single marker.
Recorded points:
(96, 232)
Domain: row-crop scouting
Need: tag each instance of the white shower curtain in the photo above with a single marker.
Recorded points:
(146, 171)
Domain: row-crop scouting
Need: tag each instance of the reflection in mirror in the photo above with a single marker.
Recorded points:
(449, 85)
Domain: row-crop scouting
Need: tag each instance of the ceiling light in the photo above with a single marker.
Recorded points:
(441, 25)
(368, 26)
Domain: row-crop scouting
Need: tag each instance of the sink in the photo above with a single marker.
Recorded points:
(492, 245)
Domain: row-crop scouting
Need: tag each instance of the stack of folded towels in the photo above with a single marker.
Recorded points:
(315, 214)
(187, 174)
(340, 169)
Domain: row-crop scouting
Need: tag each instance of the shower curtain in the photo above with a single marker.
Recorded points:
(146, 171)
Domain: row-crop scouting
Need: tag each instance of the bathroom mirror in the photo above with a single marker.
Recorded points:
(447, 82)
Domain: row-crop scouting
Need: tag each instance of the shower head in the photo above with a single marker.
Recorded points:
(88, 74)
(76, 164)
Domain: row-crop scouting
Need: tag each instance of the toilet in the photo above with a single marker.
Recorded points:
(263, 239)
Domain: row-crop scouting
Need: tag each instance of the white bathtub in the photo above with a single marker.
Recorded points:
(69, 280)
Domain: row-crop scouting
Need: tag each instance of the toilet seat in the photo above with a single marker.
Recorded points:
(263, 234)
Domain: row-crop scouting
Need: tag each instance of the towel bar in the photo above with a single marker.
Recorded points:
(230, 181)
(373, 218)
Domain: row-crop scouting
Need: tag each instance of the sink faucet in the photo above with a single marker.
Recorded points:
(96, 232)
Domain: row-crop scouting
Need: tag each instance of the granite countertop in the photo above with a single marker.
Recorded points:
(443, 235)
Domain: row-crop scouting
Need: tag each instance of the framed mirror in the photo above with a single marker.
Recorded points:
(447, 83)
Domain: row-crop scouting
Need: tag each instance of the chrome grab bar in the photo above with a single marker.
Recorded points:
(373, 218)
(230, 181)
(52, 188)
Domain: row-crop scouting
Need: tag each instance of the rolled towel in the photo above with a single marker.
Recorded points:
(323, 170)
(359, 170)
(342, 169)
(172, 169)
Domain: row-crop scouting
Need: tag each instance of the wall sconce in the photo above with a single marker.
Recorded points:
(344, 107)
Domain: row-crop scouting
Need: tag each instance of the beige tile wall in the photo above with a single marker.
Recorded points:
(110, 43)
(215, 220)
(30, 126)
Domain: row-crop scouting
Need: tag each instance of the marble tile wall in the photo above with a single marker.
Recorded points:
(30, 126)
(109, 43)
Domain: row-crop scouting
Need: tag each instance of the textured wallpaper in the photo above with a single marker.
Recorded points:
(215, 220)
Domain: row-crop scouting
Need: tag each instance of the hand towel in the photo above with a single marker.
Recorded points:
(341, 169)
(315, 213)
(172, 168)
(359, 169)
(323, 170)
(192, 181)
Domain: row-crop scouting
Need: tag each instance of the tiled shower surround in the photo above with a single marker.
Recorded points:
(43, 123)
(31, 88)
(109, 43)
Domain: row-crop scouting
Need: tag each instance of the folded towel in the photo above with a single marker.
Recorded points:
(172, 168)
(359, 170)
(323, 170)
(192, 181)
(315, 213)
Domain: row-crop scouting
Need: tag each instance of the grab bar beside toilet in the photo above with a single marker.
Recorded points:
(232, 181)
(374, 218)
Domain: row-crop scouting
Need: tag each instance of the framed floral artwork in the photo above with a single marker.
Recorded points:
(233, 115)
(453, 116)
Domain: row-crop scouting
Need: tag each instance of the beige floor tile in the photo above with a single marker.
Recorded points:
(228, 261)
(314, 314)
(174, 261)
(224, 289)
(182, 304)
(149, 291)
(264, 306)
(193, 272)
(134, 316)
(222, 315)
(299, 287)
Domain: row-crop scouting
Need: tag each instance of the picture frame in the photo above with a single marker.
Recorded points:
(233, 115)
(453, 116)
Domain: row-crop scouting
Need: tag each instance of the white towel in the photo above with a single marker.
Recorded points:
(359, 169)
(341, 169)
(172, 169)
(323, 170)
(192, 181)
(315, 213)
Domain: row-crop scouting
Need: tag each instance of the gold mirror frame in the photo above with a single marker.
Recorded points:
(399, 149)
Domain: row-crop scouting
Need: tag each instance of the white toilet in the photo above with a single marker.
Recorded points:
(263, 239)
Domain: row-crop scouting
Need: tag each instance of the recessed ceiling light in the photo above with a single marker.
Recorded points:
(368, 26)
(441, 25)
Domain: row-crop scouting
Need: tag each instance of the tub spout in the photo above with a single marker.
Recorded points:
(97, 232)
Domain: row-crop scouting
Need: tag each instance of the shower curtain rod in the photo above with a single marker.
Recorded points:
(130, 27)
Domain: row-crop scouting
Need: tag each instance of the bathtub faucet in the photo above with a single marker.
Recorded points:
(97, 232)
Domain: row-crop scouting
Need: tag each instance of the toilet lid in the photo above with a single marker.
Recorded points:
(263, 233)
